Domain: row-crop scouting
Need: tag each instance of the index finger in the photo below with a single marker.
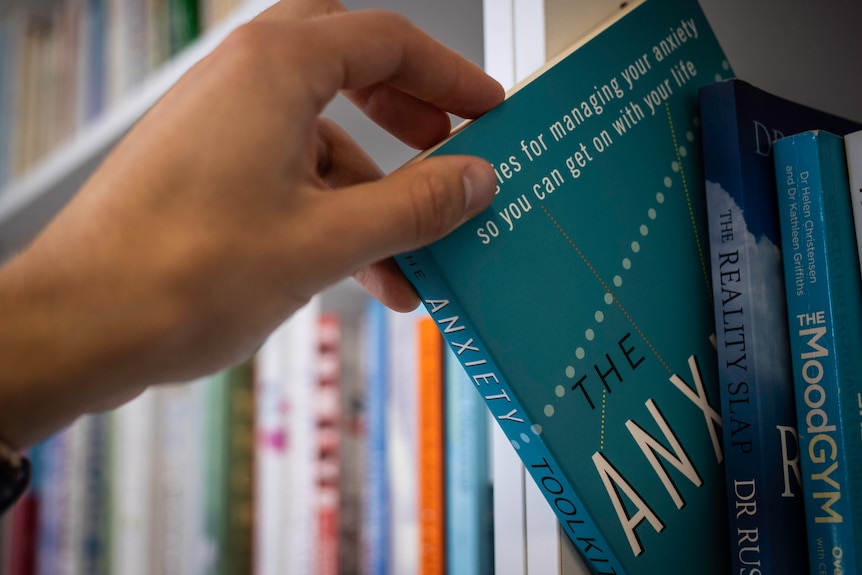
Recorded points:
(356, 50)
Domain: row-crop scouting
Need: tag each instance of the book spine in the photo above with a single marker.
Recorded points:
(376, 509)
(328, 451)
(430, 449)
(823, 285)
(853, 151)
(468, 492)
(764, 501)
(505, 407)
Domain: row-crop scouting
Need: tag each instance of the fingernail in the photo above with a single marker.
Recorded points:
(480, 184)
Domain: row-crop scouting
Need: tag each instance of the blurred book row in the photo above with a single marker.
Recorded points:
(65, 64)
(347, 444)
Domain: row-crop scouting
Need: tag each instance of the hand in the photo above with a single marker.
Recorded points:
(229, 205)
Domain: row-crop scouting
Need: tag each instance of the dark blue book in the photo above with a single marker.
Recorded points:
(824, 307)
(765, 511)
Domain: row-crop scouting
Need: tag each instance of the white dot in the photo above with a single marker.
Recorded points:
(667, 182)
(651, 213)
(609, 298)
(618, 281)
(725, 65)
(717, 77)
(525, 438)
(536, 429)
(689, 136)
(600, 317)
(644, 230)
(570, 371)
(696, 121)
(627, 264)
(674, 165)
(659, 197)
(516, 445)
(580, 353)
(636, 247)
(590, 335)
(560, 391)
(683, 151)
(549, 410)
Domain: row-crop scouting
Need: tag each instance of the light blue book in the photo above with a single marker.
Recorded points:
(579, 303)
(824, 308)
(376, 510)
(469, 530)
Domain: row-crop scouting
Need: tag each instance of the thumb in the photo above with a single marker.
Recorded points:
(417, 204)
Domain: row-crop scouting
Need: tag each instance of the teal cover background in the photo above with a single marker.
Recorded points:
(618, 254)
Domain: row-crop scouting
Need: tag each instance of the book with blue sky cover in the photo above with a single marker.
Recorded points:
(765, 511)
(824, 308)
(579, 303)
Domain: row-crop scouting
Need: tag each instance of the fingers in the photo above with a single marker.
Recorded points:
(407, 209)
(359, 50)
(340, 160)
(413, 121)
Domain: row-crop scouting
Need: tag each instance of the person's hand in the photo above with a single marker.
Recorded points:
(229, 205)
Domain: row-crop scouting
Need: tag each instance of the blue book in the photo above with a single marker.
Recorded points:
(579, 303)
(376, 521)
(764, 491)
(824, 308)
(469, 531)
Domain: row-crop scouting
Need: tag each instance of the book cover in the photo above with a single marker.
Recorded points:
(823, 283)
(765, 513)
(853, 151)
(579, 302)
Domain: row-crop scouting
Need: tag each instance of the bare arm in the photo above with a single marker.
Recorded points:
(229, 205)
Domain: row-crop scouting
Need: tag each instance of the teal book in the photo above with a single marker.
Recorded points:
(579, 303)
(824, 309)
(765, 510)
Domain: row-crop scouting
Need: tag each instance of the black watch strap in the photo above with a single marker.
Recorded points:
(14, 477)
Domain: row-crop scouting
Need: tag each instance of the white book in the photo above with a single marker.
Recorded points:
(271, 445)
(301, 379)
(132, 501)
(853, 150)
(403, 441)
(510, 537)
